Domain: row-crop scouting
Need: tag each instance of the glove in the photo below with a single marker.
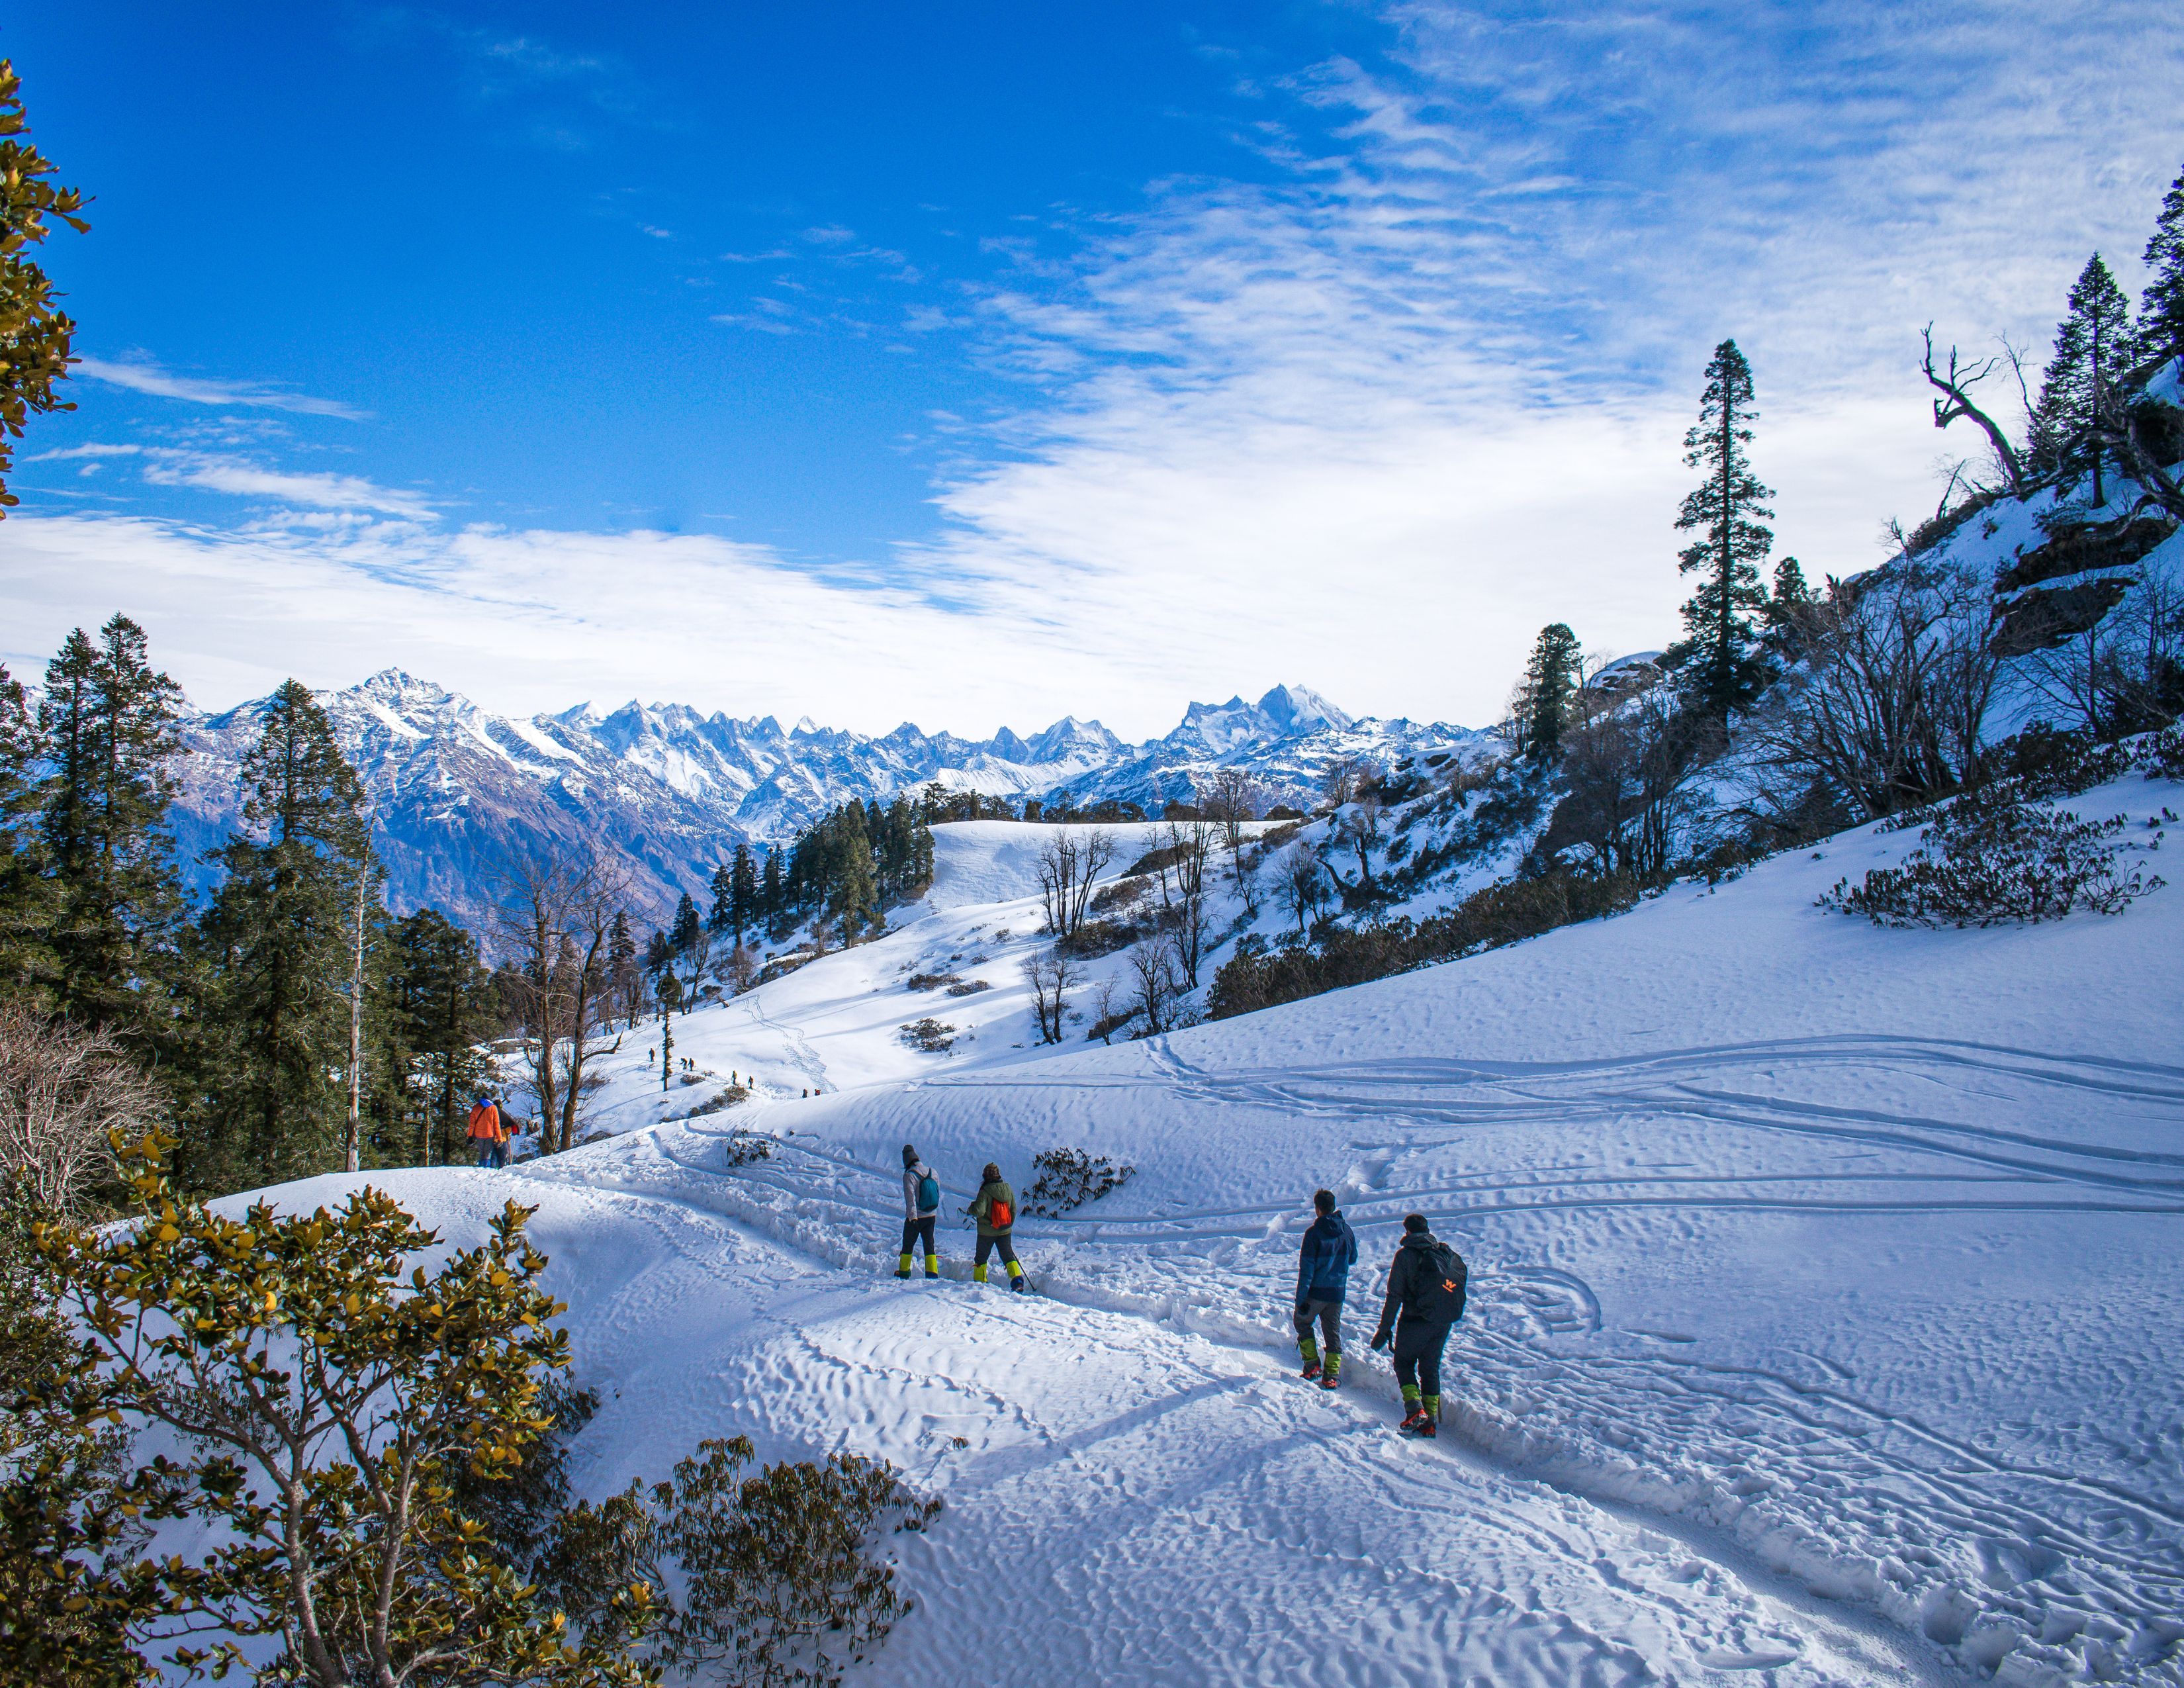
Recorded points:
(1380, 1339)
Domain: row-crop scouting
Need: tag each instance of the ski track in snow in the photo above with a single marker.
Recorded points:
(1824, 1322)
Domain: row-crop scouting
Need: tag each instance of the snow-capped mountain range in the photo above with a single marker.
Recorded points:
(459, 792)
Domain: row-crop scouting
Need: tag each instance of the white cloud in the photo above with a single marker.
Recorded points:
(1366, 422)
(140, 376)
(247, 480)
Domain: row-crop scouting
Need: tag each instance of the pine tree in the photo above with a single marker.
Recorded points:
(27, 896)
(720, 918)
(108, 725)
(743, 891)
(1549, 687)
(2160, 335)
(772, 894)
(278, 940)
(683, 936)
(622, 970)
(657, 953)
(437, 1015)
(1719, 658)
(2092, 357)
(1786, 609)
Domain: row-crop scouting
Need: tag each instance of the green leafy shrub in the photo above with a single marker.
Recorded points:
(778, 1582)
(1990, 858)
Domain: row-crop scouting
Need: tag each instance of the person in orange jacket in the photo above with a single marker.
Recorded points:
(488, 1133)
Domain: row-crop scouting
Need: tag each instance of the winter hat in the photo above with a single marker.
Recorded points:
(993, 1173)
(909, 1155)
(1414, 1224)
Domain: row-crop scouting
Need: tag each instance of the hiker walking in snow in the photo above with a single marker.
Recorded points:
(1323, 1261)
(921, 1209)
(1425, 1287)
(995, 1210)
(488, 1137)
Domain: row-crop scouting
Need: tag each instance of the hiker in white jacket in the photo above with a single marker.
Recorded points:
(921, 1207)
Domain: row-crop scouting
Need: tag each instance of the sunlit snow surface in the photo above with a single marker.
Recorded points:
(1825, 1318)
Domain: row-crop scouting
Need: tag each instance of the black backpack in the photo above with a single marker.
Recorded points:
(1438, 1297)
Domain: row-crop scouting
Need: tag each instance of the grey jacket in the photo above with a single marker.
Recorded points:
(912, 1175)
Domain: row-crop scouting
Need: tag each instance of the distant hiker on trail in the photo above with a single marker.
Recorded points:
(487, 1134)
(1323, 1261)
(921, 1210)
(995, 1210)
(1425, 1286)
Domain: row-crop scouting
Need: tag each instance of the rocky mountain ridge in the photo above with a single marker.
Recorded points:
(459, 792)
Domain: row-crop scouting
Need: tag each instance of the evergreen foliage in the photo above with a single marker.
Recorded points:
(106, 731)
(2161, 334)
(34, 332)
(1541, 709)
(27, 899)
(2092, 359)
(682, 935)
(852, 861)
(435, 1011)
(277, 938)
(743, 891)
(1719, 658)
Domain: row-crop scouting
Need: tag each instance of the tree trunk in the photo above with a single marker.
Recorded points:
(353, 1142)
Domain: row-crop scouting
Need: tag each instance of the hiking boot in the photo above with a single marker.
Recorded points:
(1019, 1284)
(1417, 1424)
(903, 1272)
(930, 1272)
(1311, 1370)
(1332, 1378)
(1428, 1430)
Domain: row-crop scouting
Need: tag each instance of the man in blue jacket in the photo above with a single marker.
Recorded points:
(1323, 1261)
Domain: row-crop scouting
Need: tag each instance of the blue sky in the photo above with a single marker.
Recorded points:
(975, 364)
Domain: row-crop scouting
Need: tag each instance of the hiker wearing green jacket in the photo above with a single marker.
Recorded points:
(995, 1210)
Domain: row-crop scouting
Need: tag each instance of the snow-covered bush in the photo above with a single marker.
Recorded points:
(1993, 857)
(1070, 1177)
(773, 1579)
(929, 1035)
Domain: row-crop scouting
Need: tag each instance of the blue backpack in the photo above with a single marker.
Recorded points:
(929, 1192)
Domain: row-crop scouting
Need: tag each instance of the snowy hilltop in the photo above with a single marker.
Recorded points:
(1822, 1321)
(457, 791)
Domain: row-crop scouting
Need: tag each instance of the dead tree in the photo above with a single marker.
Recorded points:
(555, 922)
(2116, 429)
(1051, 975)
(1956, 401)
(1071, 861)
(62, 1090)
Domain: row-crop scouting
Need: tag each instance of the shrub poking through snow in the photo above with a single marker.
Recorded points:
(968, 988)
(1070, 1177)
(930, 1035)
(931, 981)
(747, 1149)
(778, 1582)
(729, 1097)
(1990, 858)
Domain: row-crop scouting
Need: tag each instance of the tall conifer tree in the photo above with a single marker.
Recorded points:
(27, 896)
(2093, 356)
(743, 890)
(106, 721)
(2161, 334)
(1547, 690)
(279, 937)
(1719, 658)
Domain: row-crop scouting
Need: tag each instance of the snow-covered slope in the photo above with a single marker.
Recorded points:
(1825, 1321)
(458, 793)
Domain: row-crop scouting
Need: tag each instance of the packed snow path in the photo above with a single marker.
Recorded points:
(1130, 1503)
(1825, 1317)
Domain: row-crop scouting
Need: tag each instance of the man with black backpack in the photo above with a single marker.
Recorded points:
(921, 1210)
(1324, 1258)
(1425, 1286)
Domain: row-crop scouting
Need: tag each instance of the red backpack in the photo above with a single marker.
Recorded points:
(1000, 1215)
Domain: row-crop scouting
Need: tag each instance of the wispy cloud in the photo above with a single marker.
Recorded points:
(142, 376)
(170, 467)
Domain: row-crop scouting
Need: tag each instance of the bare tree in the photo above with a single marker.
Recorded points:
(1050, 975)
(1233, 800)
(1343, 778)
(2117, 429)
(1303, 884)
(2114, 675)
(1152, 973)
(1956, 401)
(1105, 1016)
(1362, 827)
(555, 919)
(743, 968)
(62, 1090)
(1067, 866)
(1185, 849)
(1629, 772)
(1900, 679)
